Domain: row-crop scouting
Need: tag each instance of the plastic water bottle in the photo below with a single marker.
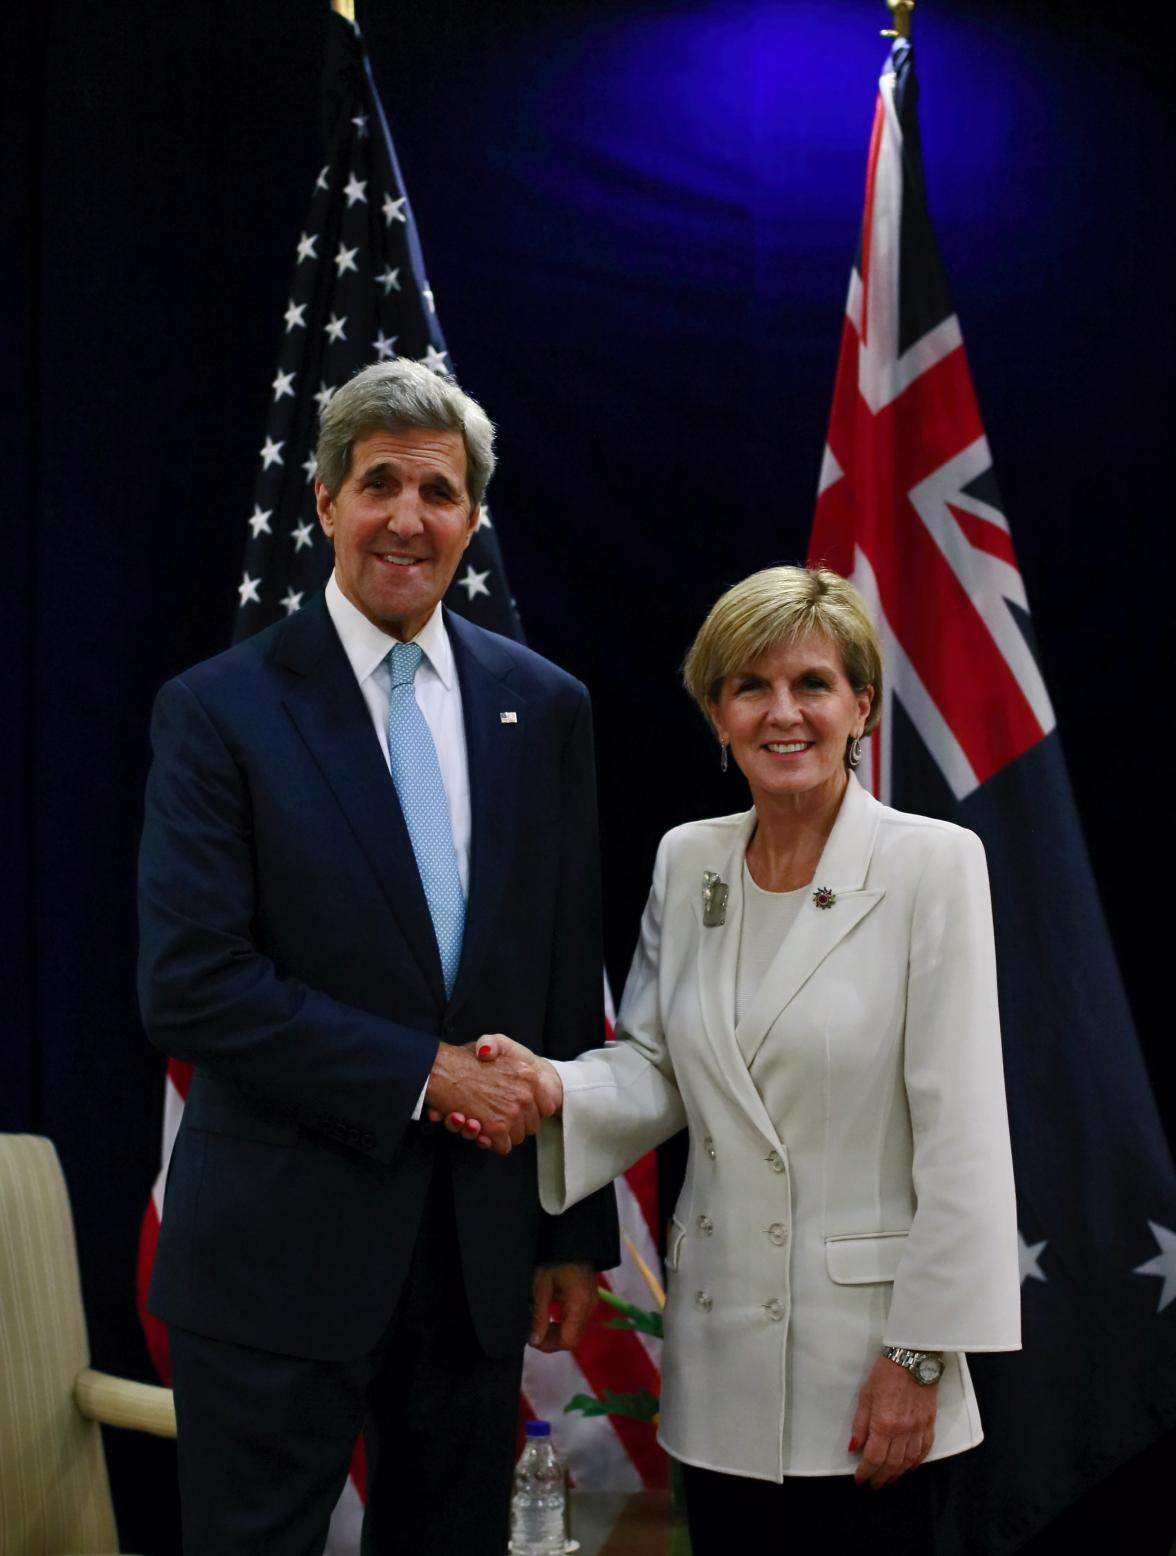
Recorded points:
(538, 1503)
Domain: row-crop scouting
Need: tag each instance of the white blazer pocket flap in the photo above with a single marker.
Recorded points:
(860, 1261)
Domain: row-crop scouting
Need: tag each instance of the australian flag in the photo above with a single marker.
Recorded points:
(358, 294)
(908, 508)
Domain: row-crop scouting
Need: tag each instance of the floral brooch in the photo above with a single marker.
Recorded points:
(823, 897)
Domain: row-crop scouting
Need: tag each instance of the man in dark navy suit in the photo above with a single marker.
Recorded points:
(370, 839)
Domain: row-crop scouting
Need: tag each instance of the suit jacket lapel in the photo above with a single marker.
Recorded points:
(717, 962)
(841, 872)
(324, 700)
(493, 754)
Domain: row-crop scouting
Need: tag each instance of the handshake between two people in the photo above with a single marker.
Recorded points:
(493, 1092)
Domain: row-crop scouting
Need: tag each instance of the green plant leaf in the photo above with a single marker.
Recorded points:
(632, 1317)
(641, 1406)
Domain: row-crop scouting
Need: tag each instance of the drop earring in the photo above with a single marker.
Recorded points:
(853, 756)
(723, 756)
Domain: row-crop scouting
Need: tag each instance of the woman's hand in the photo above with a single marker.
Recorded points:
(495, 1045)
(894, 1426)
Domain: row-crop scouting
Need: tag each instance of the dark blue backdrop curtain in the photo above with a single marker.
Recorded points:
(638, 222)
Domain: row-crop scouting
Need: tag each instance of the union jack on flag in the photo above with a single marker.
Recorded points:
(358, 293)
(908, 508)
(908, 505)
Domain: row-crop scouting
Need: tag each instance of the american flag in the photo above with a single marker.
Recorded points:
(908, 508)
(359, 293)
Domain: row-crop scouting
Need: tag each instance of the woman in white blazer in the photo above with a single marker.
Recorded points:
(814, 998)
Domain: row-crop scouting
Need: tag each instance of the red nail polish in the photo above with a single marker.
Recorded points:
(483, 1050)
(853, 1445)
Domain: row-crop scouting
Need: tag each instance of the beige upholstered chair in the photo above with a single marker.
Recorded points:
(54, 1494)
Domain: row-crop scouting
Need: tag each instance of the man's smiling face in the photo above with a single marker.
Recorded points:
(399, 524)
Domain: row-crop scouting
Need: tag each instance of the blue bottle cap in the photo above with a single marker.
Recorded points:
(538, 1428)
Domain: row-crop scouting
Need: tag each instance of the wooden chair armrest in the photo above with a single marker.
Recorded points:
(145, 1407)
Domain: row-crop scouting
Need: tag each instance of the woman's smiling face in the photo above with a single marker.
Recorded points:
(789, 716)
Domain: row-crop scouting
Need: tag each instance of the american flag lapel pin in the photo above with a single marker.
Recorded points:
(509, 717)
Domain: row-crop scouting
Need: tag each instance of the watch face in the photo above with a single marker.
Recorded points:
(928, 1369)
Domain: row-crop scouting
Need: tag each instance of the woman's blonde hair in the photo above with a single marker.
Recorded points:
(780, 605)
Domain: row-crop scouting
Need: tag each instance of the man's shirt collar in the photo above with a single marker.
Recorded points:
(367, 646)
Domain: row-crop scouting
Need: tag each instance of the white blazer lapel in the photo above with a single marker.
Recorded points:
(838, 882)
(717, 962)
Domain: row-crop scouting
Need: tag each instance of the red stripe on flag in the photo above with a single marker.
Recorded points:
(986, 536)
(180, 1075)
(359, 1468)
(642, 1179)
(154, 1329)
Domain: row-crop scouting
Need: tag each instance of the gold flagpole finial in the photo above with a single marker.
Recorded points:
(344, 8)
(902, 19)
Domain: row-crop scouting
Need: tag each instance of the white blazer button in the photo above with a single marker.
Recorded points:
(775, 1161)
(704, 1300)
(774, 1309)
(777, 1232)
(705, 1225)
(708, 1146)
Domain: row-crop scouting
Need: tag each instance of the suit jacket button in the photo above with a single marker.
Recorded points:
(775, 1161)
(708, 1146)
(705, 1225)
(774, 1308)
(704, 1300)
(778, 1232)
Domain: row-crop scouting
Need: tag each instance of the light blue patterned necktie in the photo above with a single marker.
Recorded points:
(417, 776)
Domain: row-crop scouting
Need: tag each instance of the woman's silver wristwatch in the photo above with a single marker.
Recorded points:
(926, 1367)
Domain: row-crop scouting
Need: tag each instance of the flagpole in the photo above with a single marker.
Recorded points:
(901, 11)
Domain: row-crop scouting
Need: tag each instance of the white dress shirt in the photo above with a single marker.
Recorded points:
(438, 695)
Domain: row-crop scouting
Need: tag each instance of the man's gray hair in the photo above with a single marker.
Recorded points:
(402, 393)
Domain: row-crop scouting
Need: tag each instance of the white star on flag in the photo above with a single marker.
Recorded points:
(435, 359)
(389, 279)
(1163, 1265)
(247, 589)
(306, 249)
(323, 396)
(361, 125)
(334, 328)
(272, 453)
(259, 520)
(302, 535)
(483, 519)
(310, 465)
(474, 583)
(427, 294)
(354, 190)
(292, 601)
(282, 385)
(394, 210)
(321, 181)
(293, 316)
(345, 259)
(385, 345)
(1027, 1257)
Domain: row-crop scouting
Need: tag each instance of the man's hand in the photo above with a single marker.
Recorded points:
(573, 1286)
(500, 1104)
(895, 1424)
(494, 1049)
